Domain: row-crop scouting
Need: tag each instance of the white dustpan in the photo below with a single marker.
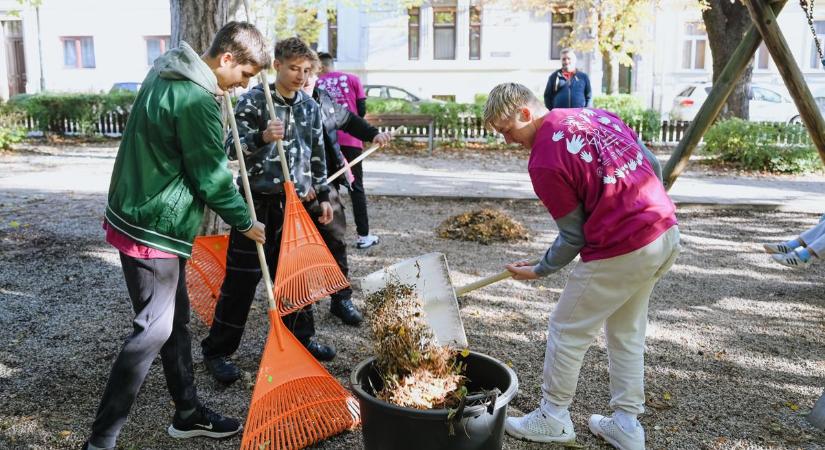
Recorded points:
(430, 276)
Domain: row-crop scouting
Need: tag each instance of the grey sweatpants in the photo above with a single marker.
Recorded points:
(157, 289)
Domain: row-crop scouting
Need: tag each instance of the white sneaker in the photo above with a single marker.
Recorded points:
(791, 259)
(366, 241)
(607, 429)
(540, 427)
(780, 248)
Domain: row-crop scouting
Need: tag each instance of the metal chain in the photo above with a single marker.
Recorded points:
(808, 7)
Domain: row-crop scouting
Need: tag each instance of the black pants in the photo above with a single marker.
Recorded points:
(357, 193)
(157, 289)
(243, 273)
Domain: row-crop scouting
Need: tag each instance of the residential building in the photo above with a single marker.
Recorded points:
(84, 45)
(448, 49)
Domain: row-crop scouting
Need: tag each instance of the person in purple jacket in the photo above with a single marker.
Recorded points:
(602, 187)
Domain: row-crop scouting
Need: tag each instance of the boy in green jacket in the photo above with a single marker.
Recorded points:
(169, 165)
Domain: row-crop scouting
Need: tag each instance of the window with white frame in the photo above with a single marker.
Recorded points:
(475, 31)
(819, 26)
(413, 32)
(156, 46)
(78, 52)
(561, 25)
(444, 25)
(694, 45)
(332, 33)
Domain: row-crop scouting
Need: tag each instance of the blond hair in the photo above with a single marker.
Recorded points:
(505, 100)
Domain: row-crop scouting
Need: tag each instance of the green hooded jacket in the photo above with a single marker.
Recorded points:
(171, 160)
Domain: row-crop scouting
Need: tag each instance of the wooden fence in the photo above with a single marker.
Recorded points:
(468, 128)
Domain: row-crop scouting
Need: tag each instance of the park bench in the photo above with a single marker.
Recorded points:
(412, 122)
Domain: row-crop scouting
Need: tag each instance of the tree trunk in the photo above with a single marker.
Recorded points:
(608, 73)
(614, 74)
(196, 22)
(726, 24)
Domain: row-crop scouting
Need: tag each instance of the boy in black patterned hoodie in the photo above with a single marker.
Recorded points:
(304, 147)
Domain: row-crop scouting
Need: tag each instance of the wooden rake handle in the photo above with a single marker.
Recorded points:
(488, 280)
(248, 194)
(349, 164)
(280, 142)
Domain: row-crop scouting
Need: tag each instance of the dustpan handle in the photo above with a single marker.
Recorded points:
(248, 194)
(280, 142)
(349, 164)
(488, 280)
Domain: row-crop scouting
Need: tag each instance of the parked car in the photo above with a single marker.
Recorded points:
(766, 104)
(131, 86)
(396, 93)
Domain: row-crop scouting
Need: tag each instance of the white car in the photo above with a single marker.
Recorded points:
(766, 104)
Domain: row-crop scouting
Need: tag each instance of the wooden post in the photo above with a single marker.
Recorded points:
(717, 97)
(765, 20)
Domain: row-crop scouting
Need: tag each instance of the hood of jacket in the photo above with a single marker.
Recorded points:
(183, 63)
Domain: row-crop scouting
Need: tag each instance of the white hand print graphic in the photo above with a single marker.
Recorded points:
(604, 120)
(619, 173)
(609, 179)
(558, 135)
(586, 156)
(617, 128)
(588, 112)
(575, 144)
(632, 164)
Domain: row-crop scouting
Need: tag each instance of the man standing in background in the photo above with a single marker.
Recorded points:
(568, 87)
(346, 89)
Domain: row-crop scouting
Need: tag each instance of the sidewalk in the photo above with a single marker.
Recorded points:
(89, 170)
(386, 177)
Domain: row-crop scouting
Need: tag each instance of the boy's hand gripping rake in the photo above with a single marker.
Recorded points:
(296, 402)
(306, 270)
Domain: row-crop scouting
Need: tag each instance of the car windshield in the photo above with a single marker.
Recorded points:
(686, 92)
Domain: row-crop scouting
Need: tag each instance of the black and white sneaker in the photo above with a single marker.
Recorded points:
(203, 422)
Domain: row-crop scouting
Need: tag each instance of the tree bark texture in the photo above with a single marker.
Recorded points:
(197, 21)
(726, 24)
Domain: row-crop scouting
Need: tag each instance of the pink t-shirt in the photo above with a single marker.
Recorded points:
(590, 157)
(345, 89)
(129, 246)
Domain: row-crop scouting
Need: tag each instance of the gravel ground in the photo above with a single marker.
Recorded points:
(734, 355)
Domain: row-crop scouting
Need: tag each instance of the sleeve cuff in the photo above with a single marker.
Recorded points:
(247, 225)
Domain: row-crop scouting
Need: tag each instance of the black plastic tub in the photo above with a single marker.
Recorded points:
(481, 427)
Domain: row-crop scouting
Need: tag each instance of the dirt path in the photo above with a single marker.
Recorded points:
(735, 342)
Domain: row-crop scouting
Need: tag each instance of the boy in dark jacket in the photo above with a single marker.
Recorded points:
(335, 117)
(304, 148)
(568, 87)
(169, 164)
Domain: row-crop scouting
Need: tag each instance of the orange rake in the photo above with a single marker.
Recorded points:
(306, 271)
(296, 402)
(205, 272)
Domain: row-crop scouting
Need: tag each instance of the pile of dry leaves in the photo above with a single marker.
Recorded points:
(484, 226)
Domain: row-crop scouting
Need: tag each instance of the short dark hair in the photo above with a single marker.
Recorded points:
(294, 47)
(326, 59)
(245, 42)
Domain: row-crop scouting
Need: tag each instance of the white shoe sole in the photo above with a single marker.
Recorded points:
(597, 432)
(178, 434)
(538, 437)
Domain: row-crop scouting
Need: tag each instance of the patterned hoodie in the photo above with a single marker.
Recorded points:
(303, 143)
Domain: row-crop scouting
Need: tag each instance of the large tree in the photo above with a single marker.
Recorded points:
(196, 22)
(726, 22)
